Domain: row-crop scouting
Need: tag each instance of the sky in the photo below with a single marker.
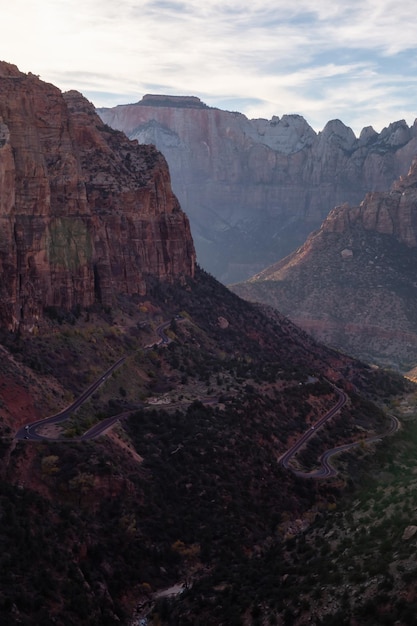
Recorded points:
(353, 60)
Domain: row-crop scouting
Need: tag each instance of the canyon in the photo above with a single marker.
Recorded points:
(254, 189)
(181, 485)
(352, 284)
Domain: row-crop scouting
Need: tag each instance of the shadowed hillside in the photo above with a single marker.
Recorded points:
(353, 283)
(187, 482)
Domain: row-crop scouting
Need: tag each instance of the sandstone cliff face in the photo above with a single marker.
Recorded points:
(392, 213)
(85, 213)
(254, 189)
(353, 284)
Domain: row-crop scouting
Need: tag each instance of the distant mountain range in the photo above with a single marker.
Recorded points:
(255, 189)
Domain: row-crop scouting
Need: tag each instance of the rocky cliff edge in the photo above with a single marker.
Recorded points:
(85, 213)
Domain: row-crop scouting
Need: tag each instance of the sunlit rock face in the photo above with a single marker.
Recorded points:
(255, 189)
(85, 213)
(353, 284)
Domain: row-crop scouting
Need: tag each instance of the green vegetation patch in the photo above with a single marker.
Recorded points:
(69, 244)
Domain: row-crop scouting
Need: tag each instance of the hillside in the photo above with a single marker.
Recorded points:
(352, 284)
(185, 483)
(352, 563)
(254, 189)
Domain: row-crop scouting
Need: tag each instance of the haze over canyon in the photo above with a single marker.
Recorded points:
(254, 189)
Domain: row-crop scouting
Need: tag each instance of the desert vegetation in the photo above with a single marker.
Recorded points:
(187, 488)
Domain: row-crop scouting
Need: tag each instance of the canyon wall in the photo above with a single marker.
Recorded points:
(85, 213)
(255, 189)
(353, 283)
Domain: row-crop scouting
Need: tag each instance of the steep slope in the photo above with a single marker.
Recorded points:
(353, 283)
(187, 482)
(169, 406)
(255, 189)
(84, 213)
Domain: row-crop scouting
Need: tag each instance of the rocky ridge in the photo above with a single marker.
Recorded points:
(84, 212)
(254, 189)
(353, 283)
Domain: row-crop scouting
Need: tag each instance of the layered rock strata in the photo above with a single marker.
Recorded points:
(255, 189)
(85, 213)
(353, 284)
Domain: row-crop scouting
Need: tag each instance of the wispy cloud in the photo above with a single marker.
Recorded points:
(326, 59)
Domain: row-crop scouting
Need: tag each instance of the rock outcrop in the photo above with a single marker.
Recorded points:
(255, 189)
(85, 213)
(353, 284)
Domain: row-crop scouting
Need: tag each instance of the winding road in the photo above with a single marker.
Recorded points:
(326, 469)
(29, 431)
(286, 458)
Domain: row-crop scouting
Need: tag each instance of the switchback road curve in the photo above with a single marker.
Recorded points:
(341, 401)
(326, 469)
(29, 431)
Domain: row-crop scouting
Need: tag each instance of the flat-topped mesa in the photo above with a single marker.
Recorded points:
(183, 102)
(85, 213)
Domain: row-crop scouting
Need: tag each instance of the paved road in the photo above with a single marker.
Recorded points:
(29, 431)
(341, 401)
(163, 337)
(100, 428)
(326, 469)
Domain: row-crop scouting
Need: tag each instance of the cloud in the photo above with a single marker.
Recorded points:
(320, 59)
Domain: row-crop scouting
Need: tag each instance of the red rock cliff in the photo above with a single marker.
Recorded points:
(84, 212)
